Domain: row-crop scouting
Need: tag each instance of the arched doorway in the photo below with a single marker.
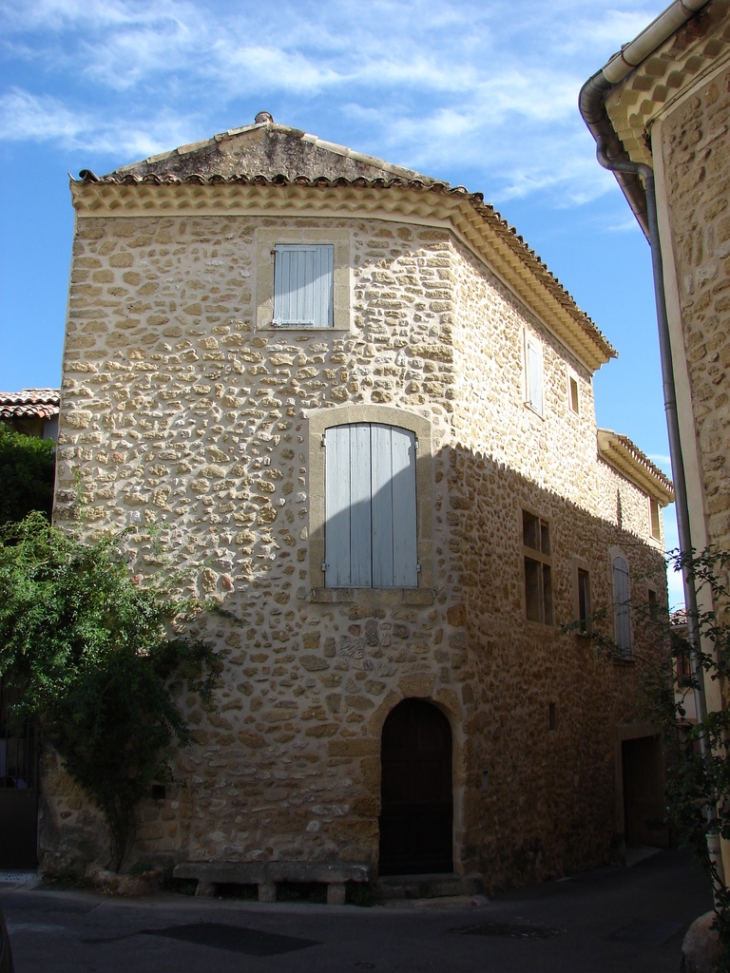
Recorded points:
(416, 819)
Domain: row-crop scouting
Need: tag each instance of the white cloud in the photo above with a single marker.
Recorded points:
(662, 459)
(27, 118)
(440, 84)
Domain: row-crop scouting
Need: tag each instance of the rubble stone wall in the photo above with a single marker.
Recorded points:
(184, 417)
(696, 159)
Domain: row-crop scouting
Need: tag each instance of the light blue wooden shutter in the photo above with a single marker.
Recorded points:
(533, 367)
(361, 523)
(370, 503)
(303, 285)
(622, 606)
(394, 507)
(348, 527)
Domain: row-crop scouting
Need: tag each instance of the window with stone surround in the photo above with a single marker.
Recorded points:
(573, 397)
(655, 521)
(537, 555)
(621, 605)
(303, 279)
(533, 372)
(303, 285)
(584, 600)
(370, 507)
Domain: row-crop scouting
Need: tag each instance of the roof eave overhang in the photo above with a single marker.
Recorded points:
(465, 214)
(620, 453)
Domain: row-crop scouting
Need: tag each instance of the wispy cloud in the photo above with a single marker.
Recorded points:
(435, 83)
(27, 118)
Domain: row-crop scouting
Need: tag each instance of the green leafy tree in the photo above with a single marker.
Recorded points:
(98, 656)
(26, 474)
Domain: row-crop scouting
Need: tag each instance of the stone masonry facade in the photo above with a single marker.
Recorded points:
(697, 161)
(185, 417)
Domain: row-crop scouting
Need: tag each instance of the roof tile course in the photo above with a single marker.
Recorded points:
(30, 404)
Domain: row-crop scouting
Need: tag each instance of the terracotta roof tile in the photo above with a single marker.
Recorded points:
(30, 404)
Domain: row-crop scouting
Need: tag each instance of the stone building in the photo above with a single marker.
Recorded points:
(358, 411)
(668, 106)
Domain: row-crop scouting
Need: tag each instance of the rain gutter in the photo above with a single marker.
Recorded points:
(594, 91)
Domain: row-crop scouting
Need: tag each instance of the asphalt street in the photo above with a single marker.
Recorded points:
(614, 919)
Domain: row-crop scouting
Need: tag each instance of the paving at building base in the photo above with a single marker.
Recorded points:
(610, 919)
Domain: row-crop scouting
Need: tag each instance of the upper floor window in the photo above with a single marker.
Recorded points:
(538, 568)
(303, 285)
(370, 507)
(303, 278)
(573, 399)
(583, 579)
(533, 373)
(622, 606)
(655, 520)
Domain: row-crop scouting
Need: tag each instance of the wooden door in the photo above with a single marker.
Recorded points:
(416, 820)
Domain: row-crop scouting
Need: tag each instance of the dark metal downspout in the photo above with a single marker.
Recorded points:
(592, 108)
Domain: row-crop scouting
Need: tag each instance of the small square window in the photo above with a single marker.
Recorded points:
(655, 519)
(303, 285)
(573, 393)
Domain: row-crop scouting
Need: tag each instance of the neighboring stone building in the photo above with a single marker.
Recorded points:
(668, 106)
(392, 477)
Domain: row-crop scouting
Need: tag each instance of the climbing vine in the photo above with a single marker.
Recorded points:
(99, 657)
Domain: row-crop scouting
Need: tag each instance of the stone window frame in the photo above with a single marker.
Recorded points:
(654, 607)
(546, 560)
(654, 505)
(628, 658)
(267, 239)
(572, 383)
(531, 335)
(578, 565)
(320, 420)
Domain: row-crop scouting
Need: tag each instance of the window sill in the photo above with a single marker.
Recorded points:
(530, 407)
(545, 627)
(620, 661)
(376, 597)
(303, 328)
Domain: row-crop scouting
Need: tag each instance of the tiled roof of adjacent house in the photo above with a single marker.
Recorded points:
(30, 404)
(269, 155)
(629, 460)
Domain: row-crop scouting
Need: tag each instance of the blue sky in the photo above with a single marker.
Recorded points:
(481, 94)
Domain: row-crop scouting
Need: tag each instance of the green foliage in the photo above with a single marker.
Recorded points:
(698, 777)
(99, 659)
(26, 474)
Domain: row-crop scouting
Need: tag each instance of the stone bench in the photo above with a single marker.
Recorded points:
(266, 874)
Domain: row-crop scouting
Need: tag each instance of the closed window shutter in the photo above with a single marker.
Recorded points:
(303, 285)
(622, 607)
(370, 502)
(533, 361)
(394, 507)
